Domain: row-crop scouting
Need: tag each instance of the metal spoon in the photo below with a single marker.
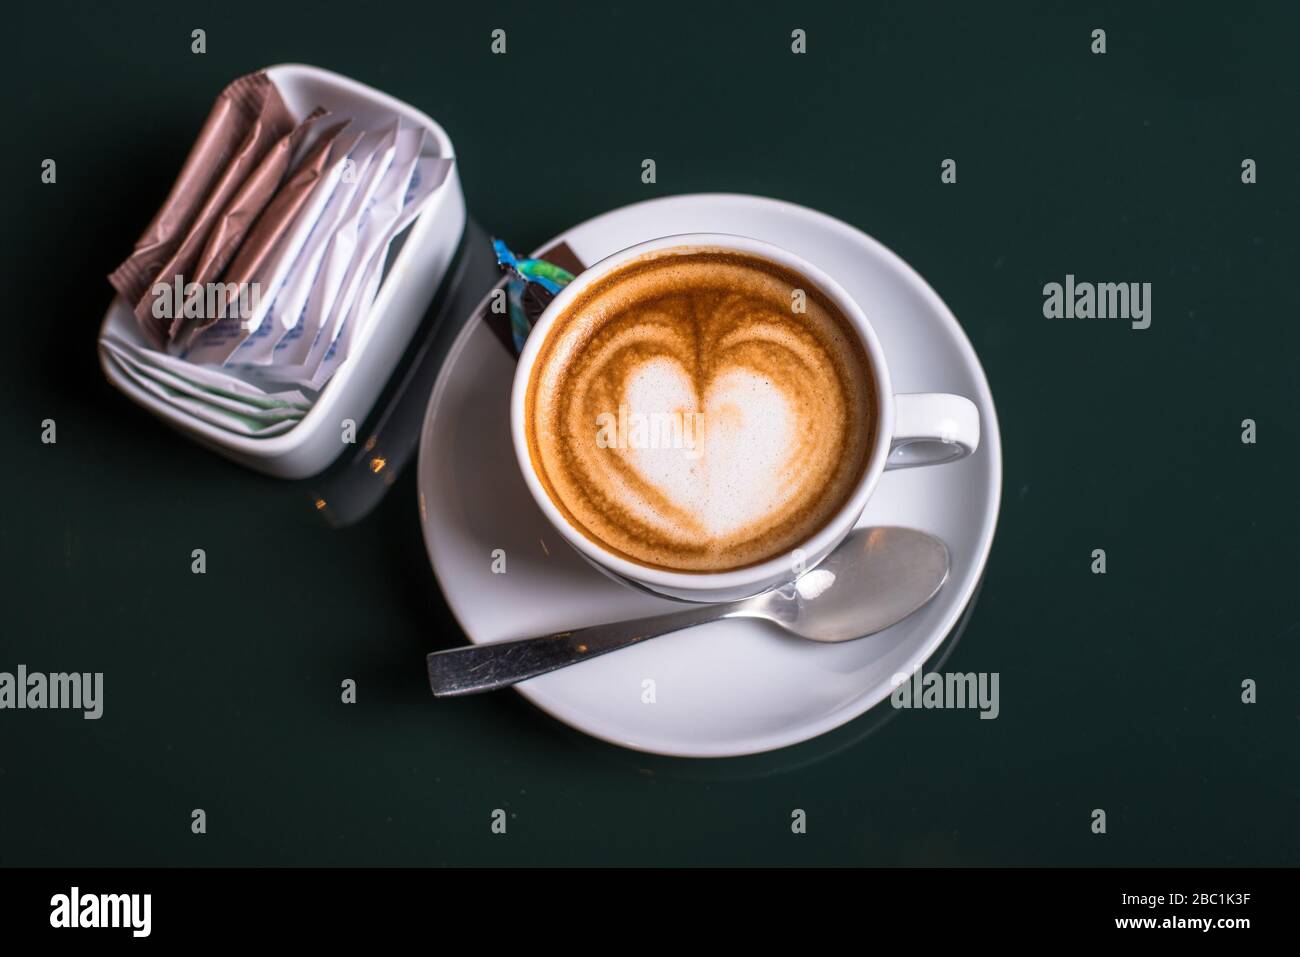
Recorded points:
(876, 578)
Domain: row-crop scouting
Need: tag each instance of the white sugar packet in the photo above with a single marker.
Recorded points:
(429, 174)
(298, 366)
(413, 179)
(240, 424)
(210, 403)
(324, 282)
(209, 379)
(258, 408)
(385, 209)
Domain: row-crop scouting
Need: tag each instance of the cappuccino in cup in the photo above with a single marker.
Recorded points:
(700, 410)
(704, 416)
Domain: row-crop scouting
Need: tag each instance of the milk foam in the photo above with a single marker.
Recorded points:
(736, 472)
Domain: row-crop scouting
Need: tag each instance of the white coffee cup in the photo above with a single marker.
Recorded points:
(912, 429)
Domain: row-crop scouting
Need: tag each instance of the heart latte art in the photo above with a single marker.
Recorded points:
(700, 410)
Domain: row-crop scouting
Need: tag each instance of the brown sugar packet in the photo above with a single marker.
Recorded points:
(276, 219)
(241, 212)
(271, 124)
(235, 110)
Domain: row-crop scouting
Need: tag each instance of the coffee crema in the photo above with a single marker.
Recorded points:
(685, 415)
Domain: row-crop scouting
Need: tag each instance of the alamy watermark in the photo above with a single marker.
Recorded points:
(651, 430)
(211, 300)
(75, 909)
(35, 690)
(953, 690)
(1102, 300)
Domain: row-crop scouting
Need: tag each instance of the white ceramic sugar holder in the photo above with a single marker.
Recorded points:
(415, 271)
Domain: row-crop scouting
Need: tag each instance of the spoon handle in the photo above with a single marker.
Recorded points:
(476, 668)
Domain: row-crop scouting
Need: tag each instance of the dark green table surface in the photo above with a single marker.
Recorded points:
(1120, 691)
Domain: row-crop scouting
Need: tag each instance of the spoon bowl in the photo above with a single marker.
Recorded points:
(876, 578)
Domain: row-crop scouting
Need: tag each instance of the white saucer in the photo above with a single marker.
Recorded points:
(730, 687)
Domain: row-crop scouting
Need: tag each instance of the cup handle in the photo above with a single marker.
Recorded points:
(931, 428)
